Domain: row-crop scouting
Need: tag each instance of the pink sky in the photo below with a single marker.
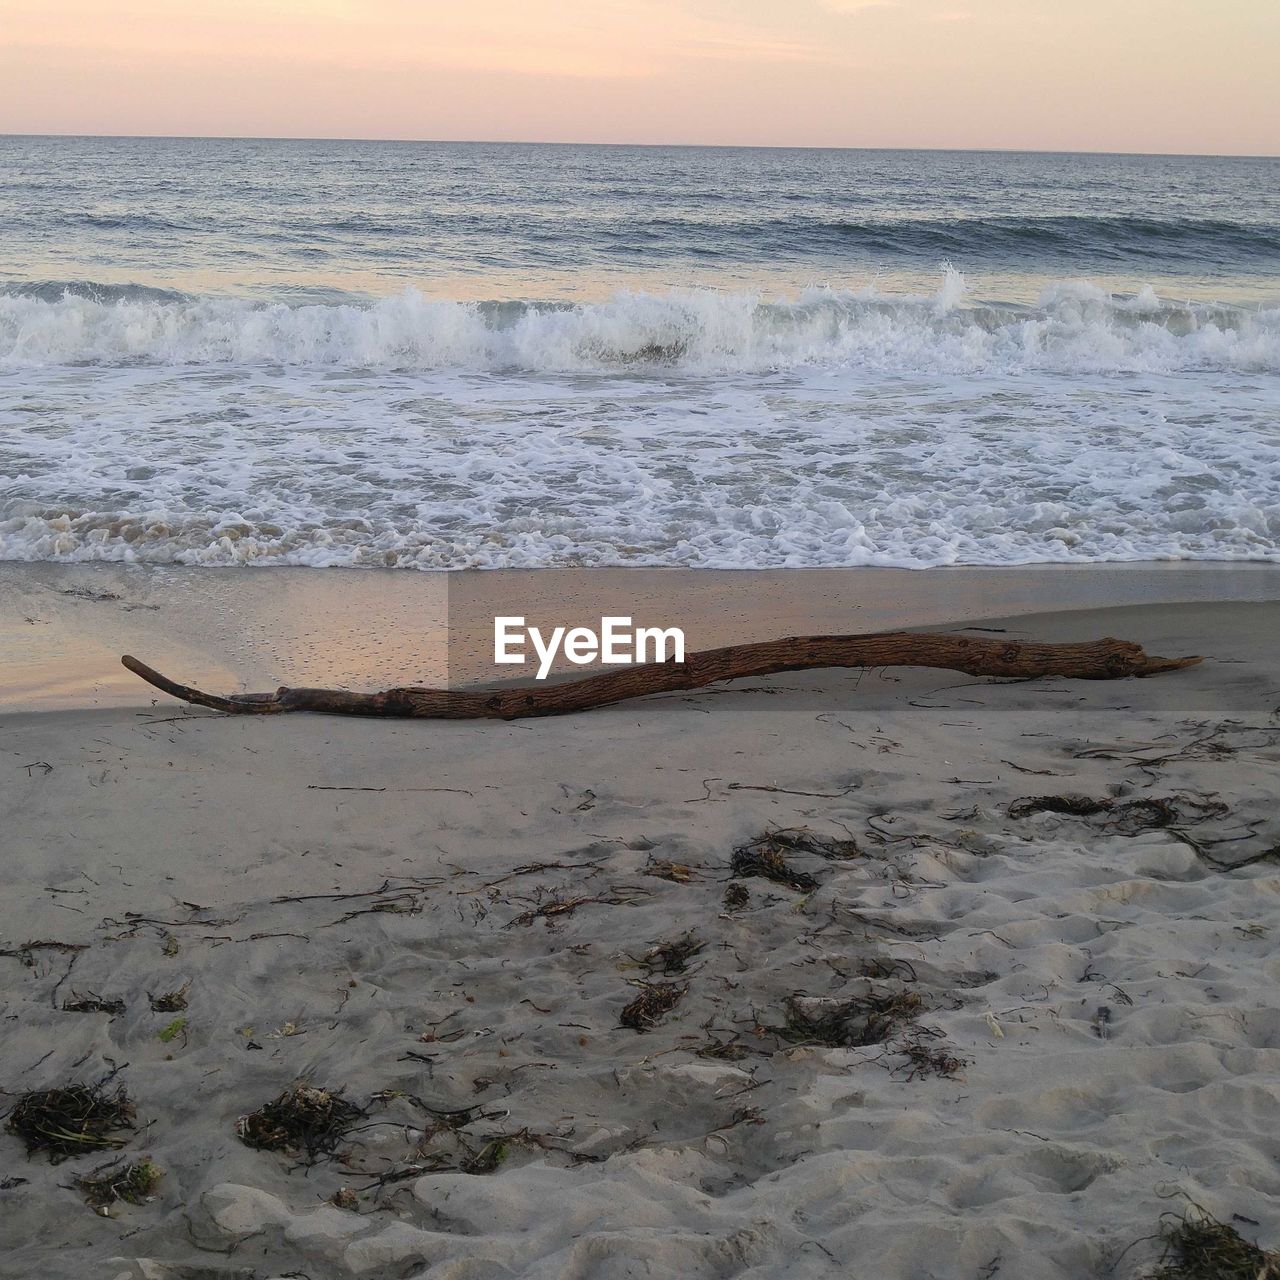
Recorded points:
(1095, 75)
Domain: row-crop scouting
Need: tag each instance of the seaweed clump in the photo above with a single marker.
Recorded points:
(170, 1001)
(802, 840)
(1124, 817)
(71, 1121)
(656, 999)
(488, 1159)
(768, 861)
(766, 857)
(672, 957)
(1071, 805)
(304, 1119)
(133, 1183)
(929, 1059)
(1199, 1247)
(94, 1004)
(849, 1024)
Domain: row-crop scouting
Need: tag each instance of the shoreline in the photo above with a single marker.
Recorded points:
(64, 627)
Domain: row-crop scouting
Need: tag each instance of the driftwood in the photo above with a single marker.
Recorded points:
(1092, 660)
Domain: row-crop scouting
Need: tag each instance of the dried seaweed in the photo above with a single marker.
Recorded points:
(26, 952)
(1123, 817)
(454, 1154)
(303, 1119)
(1199, 1247)
(736, 896)
(887, 968)
(1076, 806)
(134, 1183)
(1208, 746)
(925, 1056)
(170, 1001)
(676, 872)
(767, 860)
(852, 1023)
(487, 1159)
(92, 1003)
(557, 906)
(672, 957)
(656, 999)
(804, 840)
(725, 1051)
(767, 856)
(71, 1121)
(1173, 813)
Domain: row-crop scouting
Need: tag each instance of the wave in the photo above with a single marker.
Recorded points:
(1107, 239)
(1081, 240)
(816, 540)
(1075, 327)
(1075, 241)
(91, 291)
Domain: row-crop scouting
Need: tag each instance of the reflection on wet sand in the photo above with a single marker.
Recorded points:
(64, 627)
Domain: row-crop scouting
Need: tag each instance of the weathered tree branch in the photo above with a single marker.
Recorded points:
(1091, 660)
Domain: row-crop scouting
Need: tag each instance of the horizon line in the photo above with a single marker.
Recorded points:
(691, 146)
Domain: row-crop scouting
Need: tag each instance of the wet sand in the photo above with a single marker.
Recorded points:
(64, 627)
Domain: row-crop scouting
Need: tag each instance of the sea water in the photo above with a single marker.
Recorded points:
(447, 355)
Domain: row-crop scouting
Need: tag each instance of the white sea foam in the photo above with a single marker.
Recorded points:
(805, 467)
(1075, 327)
(701, 429)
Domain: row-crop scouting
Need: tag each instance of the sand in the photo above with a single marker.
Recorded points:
(63, 627)
(447, 921)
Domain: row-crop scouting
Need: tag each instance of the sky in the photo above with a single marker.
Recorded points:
(1066, 75)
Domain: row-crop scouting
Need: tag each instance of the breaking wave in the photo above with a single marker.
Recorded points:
(1075, 327)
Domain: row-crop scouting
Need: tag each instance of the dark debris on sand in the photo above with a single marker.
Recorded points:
(803, 840)
(305, 1120)
(488, 1159)
(926, 1056)
(71, 1121)
(768, 862)
(134, 1183)
(655, 1001)
(676, 872)
(767, 858)
(170, 1001)
(1199, 1247)
(92, 1003)
(726, 1050)
(1173, 813)
(674, 956)
(1123, 817)
(853, 1023)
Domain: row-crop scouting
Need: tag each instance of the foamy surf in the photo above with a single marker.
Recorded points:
(1075, 327)
(699, 429)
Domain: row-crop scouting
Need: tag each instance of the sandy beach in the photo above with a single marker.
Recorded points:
(798, 977)
(480, 487)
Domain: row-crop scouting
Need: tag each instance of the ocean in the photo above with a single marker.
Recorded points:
(447, 355)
